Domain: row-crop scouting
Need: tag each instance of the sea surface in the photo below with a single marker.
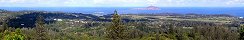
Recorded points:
(236, 11)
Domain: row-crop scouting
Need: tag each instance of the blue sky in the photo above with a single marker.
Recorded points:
(121, 3)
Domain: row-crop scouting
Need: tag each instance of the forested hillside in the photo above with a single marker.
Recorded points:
(39, 25)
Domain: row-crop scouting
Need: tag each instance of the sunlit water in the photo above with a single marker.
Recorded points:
(236, 11)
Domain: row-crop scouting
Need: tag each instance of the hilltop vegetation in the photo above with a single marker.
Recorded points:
(42, 25)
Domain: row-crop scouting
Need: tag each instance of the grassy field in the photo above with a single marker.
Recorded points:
(208, 19)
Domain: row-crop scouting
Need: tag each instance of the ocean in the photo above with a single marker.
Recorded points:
(235, 11)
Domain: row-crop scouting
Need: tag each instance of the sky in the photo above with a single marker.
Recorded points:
(121, 3)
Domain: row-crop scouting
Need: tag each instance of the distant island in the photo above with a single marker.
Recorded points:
(148, 8)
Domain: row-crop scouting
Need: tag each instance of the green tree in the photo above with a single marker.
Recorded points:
(4, 26)
(154, 36)
(184, 36)
(116, 31)
(196, 34)
(86, 37)
(17, 35)
(241, 32)
(40, 29)
(172, 33)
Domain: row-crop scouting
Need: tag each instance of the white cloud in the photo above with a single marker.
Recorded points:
(1, 0)
(72, 2)
(15, 1)
(152, 2)
(119, 2)
(98, 1)
(234, 2)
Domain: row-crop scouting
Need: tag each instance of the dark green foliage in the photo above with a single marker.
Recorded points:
(183, 35)
(119, 30)
(241, 32)
(116, 30)
(40, 29)
(172, 32)
(4, 26)
(195, 34)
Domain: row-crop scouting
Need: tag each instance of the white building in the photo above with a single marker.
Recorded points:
(58, 19)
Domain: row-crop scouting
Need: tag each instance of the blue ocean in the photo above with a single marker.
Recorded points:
(236, 11)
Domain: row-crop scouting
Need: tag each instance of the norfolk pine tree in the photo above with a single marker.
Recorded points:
(4, 25)
(241, 32)
(116, 31)
(40, 29)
